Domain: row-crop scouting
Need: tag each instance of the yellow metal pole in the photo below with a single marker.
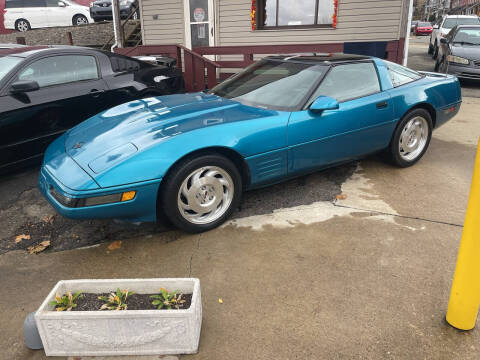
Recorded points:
(465, 294)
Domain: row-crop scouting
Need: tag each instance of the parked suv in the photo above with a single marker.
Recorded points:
(23, 15)
(102, 9)
(444, 25)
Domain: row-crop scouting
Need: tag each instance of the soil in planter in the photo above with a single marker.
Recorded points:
(90, 302)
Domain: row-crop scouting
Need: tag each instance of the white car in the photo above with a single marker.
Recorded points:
(443, 27)
(23, 15)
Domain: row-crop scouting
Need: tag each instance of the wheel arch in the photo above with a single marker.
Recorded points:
(423, 105)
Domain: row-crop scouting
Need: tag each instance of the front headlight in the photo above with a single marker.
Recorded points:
(457, 60)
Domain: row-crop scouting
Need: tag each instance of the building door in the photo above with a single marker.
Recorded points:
(199, 23)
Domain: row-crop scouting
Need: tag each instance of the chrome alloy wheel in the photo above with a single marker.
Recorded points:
(413, 138)
(205, 195)
(22, 26)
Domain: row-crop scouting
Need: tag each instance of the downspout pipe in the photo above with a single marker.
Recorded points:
(407, 33)
(116, 25)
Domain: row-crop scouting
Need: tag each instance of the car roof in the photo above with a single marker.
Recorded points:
(321, 57)
(26, 51)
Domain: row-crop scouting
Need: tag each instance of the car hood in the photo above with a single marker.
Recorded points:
(114, 135)
(467, 51)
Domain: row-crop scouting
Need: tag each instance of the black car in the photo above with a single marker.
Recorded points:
(459, 52)
(102, 9)
(45, 91)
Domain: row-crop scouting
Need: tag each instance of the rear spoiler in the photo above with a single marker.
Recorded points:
(433, 74)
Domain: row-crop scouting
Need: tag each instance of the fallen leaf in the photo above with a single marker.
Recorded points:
(38, 248)
(21, 237)
(341, 196)
(115, 245)
(220, 301)
(48, 219)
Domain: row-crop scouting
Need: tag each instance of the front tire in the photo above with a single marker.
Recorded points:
(200, 193)
(22, 25)
(435, 51)
(411, 138)
(430, 47)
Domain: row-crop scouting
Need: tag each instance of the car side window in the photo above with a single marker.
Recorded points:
(34, 3)
(63, 69)
(52, 3)
(349, 81)
(400, 74)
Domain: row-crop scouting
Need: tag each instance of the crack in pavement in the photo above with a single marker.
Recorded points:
(193, 254)
(397, 215)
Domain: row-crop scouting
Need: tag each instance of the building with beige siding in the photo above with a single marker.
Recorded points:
(200, 23)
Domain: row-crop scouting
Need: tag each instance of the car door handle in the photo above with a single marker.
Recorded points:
(96, 93)
(382, 105)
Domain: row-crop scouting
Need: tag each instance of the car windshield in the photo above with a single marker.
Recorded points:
(423, 24)
(273, 84)
(451, 22)
(468, 36)
(7, 63)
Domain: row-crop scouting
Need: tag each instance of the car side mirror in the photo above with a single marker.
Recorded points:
(324, 103)
(61, 4)
(436, 27)
(23, 86)
(443, 41)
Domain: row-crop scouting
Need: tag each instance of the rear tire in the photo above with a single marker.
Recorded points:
(411, 138)
(79, 20)
(22, 25)
(200, 193)
(430, 47)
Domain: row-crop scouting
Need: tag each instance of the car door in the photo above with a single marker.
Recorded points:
(36, 13)
(58, 13)
(362, 123)
(70, 90)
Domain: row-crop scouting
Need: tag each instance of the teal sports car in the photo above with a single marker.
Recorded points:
(191, 156)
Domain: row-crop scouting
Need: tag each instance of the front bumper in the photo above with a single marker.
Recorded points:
(142, 208)
(464, 72)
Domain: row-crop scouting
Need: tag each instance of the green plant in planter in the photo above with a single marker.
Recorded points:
(116, 301)
(167, 299)
(65, 302)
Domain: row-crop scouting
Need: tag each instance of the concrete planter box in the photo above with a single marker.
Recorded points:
(121, 332)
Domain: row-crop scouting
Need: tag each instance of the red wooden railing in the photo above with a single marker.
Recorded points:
(200, 72)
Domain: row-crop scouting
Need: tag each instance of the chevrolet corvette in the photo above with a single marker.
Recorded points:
(190, 157)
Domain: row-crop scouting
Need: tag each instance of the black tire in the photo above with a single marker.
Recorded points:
(394, 149)
(79, 20)
(22, 25)
(430, 47)
(435, 51)
(437, 65)
(168, 197)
